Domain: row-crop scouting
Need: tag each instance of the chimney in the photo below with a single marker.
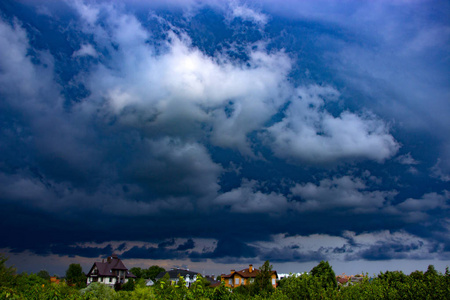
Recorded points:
(232, 271)
(250, 268)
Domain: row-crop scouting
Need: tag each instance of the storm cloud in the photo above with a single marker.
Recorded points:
(223, 132)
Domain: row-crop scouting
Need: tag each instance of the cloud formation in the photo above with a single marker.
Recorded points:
(165, 124)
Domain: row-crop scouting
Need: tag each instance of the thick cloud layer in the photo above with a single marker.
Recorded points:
(224, 131)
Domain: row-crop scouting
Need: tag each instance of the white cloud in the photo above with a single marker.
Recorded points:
(85, 50)
(308, 133)
(416, 210)
(247, 14)
(407, 159)
(248, 199)
(340, 192)
(441, 169)
(349, 246)
(180, 87)
(177, 90)
(427, 202)
(88, 13)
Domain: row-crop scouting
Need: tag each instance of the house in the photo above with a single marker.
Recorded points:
(345, 280)
(244, 277)
(286, 275)
(111, 272)
(55, 280)
(188, 276)
(212, 281)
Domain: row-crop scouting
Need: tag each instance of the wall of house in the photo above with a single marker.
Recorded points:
(105, 280)
(274, 280)
(244, 281)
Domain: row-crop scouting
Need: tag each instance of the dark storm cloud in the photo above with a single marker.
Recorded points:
(153, 130)
(233, 248)
(153, 253)
(190, 244)
(386, 251)
(81, 251)
(288, 254)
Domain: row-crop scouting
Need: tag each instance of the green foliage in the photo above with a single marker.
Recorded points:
(6, 273)
(129, 285)
(137, 272)
(149, 273)
(142, 293)
(43, 274)
(222, 293)
(152, 272)
(98, 291)
(387, 285)
(325, 274)
(199, 290)
(306, 286)
(431, 272)
(75, 275)
(26, 283)
(263, 281)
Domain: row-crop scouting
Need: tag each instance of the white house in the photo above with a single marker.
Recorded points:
(189, 276)
(111, 272)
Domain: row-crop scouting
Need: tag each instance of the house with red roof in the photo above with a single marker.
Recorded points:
(110, 272)
(245, 277)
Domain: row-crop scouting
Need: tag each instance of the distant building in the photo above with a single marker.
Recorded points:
(286, 275)
(346, 280)
(54, 279)
(212, 280)
(111, 272)
(245, 277)
(188, 276)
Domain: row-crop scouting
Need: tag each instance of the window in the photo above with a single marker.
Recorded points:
(236, 281)
(242, 281)
(273, 281)
(109, 279)
(230, 281)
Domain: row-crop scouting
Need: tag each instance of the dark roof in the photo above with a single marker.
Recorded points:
(107, 268)
(175, 272)
(213, 281)
(245, 273)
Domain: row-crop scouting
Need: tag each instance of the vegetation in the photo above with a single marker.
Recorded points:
(149, 273)
(75, 276)
(319, 283)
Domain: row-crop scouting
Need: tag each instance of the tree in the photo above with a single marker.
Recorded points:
(263, 281)
(129, 285)
(152, 272)
(43, 274)
(99, 291)
(137, 272)
(325, 273)
(75, 275)
(431, 272)
(6, 273)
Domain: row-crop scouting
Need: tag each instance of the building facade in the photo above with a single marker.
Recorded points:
(174, 274)
(245, 277)
(110, 272)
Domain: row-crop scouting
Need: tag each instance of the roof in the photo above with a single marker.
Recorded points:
(107, 268)
(245, 273)
(213, 282)
(175, 272)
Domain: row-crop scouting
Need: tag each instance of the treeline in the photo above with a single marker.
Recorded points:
(319, 283)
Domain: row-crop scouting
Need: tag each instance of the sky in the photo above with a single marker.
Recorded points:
(211, 135)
